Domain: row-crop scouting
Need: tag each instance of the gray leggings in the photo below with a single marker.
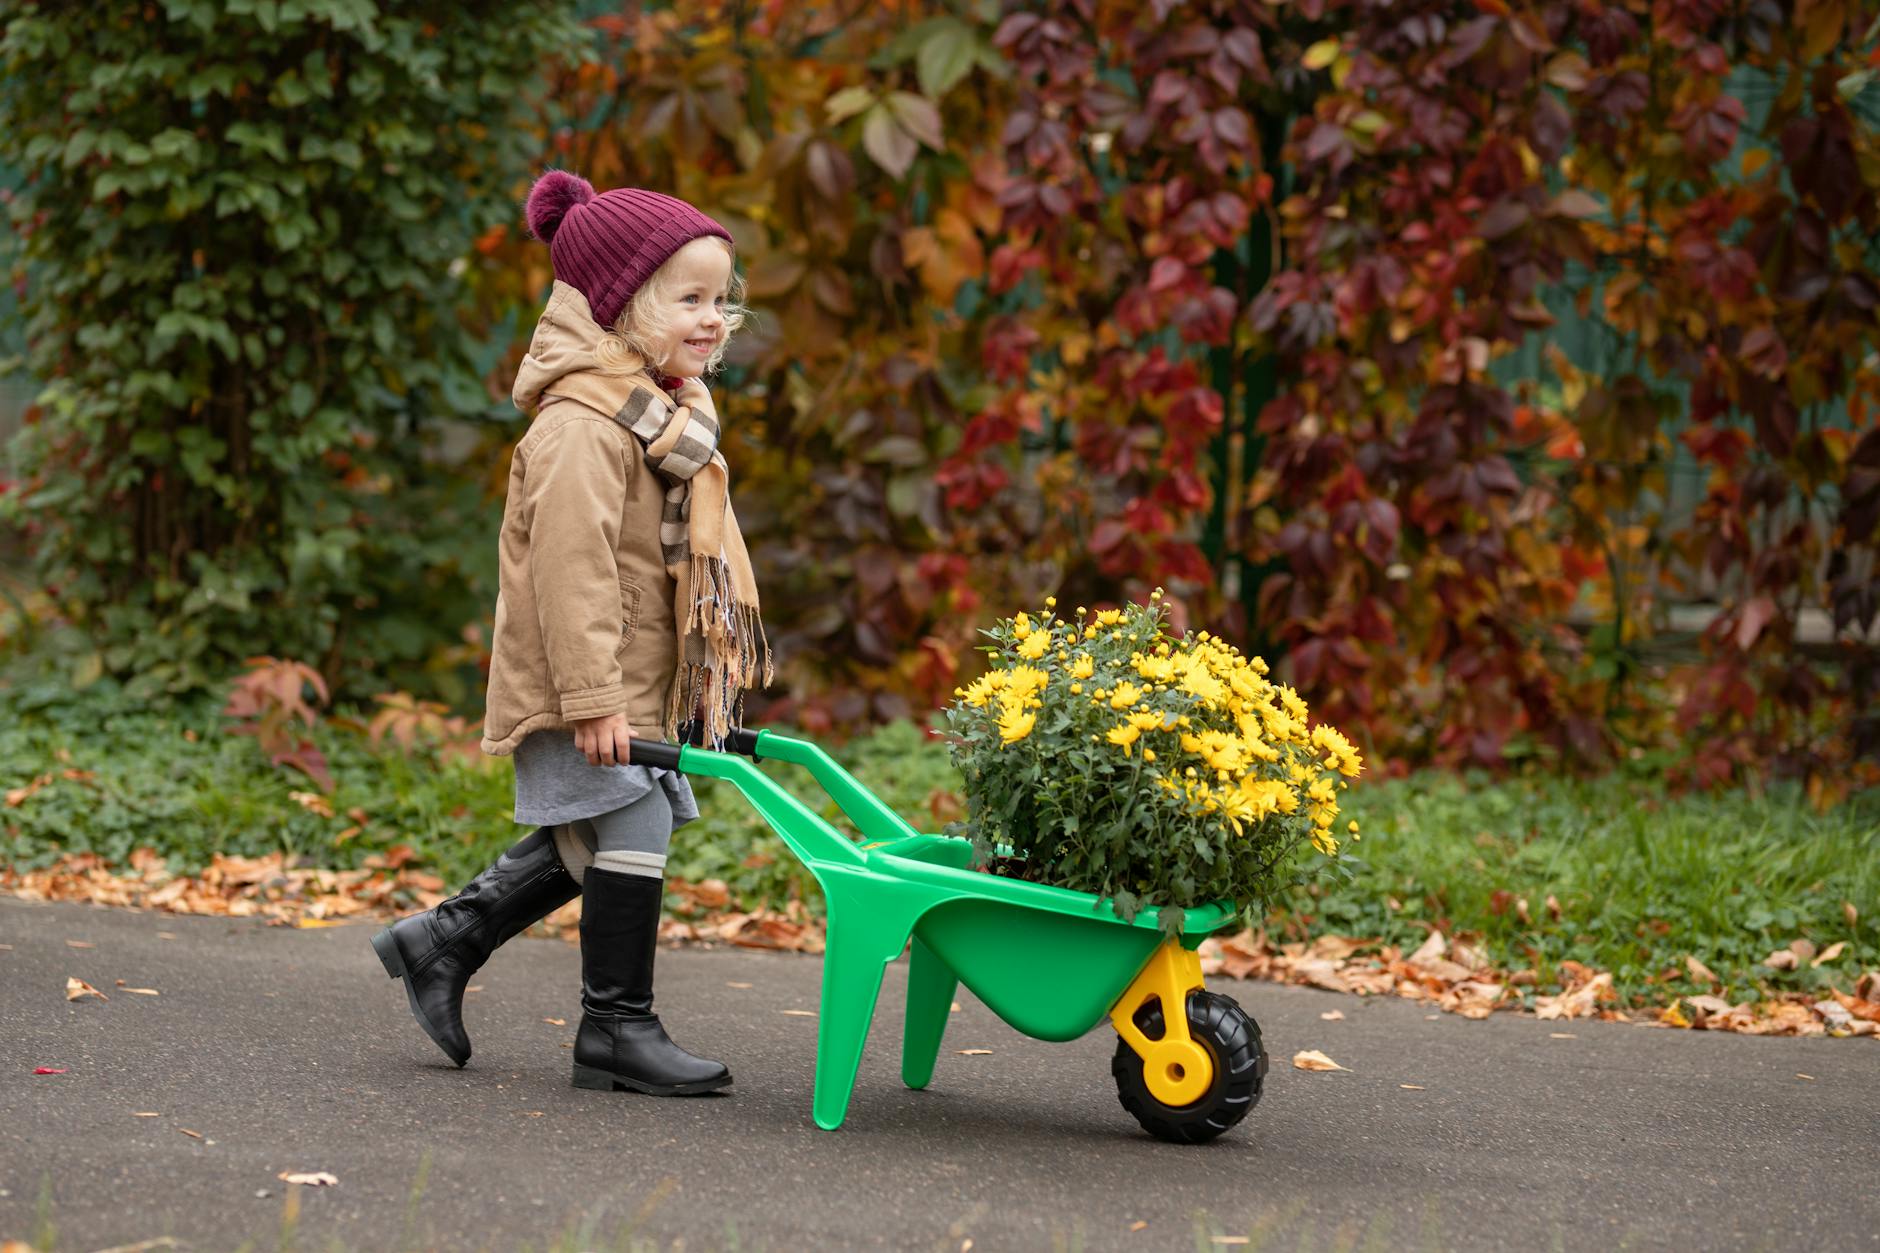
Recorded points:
(630, 840)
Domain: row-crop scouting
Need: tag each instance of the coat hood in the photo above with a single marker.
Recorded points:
(566, 339)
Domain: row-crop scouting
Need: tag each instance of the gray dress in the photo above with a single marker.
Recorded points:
(555, 784)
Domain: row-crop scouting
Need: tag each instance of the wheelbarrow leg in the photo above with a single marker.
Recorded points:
(930, 987)
(868, 926)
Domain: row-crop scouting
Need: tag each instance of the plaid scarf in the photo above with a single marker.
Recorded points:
(722, 647)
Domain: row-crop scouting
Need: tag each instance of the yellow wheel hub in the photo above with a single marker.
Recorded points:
(1176, 1070)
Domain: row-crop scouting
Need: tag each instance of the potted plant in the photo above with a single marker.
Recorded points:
(1104, 755)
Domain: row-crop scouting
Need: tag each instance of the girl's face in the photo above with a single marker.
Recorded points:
(692, 295)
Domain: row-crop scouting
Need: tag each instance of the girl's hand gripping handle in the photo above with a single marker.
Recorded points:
(604, 741)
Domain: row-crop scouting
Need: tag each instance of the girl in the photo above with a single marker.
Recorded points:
(625, 604)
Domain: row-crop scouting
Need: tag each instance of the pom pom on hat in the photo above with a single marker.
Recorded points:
(553, 195)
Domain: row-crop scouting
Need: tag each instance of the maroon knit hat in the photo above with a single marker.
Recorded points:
(606, 246)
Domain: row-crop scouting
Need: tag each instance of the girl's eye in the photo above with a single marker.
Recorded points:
(691, 300)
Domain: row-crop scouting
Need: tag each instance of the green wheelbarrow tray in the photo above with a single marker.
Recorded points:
(1049, 961)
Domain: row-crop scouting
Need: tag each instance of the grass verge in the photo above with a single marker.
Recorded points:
(1614, 873)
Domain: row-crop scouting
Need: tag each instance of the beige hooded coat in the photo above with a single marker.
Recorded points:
(584, 611)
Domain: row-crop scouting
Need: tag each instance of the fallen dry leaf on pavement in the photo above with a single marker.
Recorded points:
(194, 1135)
(311, 1179)
(1561, 1035)
(556, 1022)
(1332, 1015)
(76, 989)
(139, 991)
(800, 1013)
(146, 1113)
(1800, 1075)
(731, 984)
(1828, 954)
(974, 1052)
(1138, 1225)
(80, 944)
(1312, 1059)
(1581, 1001)
(1699, 971)
(1412, 1087)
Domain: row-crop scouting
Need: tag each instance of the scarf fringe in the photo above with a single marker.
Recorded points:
(737, 651)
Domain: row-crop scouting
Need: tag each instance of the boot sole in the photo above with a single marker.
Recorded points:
(607, 1081)
(394, 963)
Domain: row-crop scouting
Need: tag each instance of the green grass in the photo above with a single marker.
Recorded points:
(1643, 878)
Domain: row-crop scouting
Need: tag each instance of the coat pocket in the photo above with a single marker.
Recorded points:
(629, 611)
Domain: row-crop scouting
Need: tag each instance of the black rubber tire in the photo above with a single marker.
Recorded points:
(1232, 1039)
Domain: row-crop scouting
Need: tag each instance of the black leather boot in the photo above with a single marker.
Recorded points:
(437, 951)
(620, 1043)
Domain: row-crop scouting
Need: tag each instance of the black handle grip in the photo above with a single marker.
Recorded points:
(654, 753)
(742, 740)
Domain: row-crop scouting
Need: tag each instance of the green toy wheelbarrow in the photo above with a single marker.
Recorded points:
(1051, 962)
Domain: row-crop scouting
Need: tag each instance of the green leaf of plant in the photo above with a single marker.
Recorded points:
(946, 56)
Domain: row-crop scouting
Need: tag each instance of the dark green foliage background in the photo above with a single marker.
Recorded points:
(237, 241)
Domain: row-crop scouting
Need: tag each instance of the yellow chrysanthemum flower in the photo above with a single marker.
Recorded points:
(1294, 706)
(1270, 796)
(1148, 720)
(1015, 724)
(1123, 736)
(1204, 686)
(1026, 680)
(1339, 751)
(1109, 617)
(1034, 646)
(1125, 695)
(1021, 626)
(1219, 749)
(1325, 842)
(1083, 667)
(1156, 669)
(980, 690)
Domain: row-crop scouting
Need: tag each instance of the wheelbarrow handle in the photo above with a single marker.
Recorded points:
(653, 753)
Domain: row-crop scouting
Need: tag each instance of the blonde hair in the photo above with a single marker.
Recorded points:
(645, 321)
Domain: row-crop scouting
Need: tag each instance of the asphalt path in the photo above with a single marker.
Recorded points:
(290, 1051)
